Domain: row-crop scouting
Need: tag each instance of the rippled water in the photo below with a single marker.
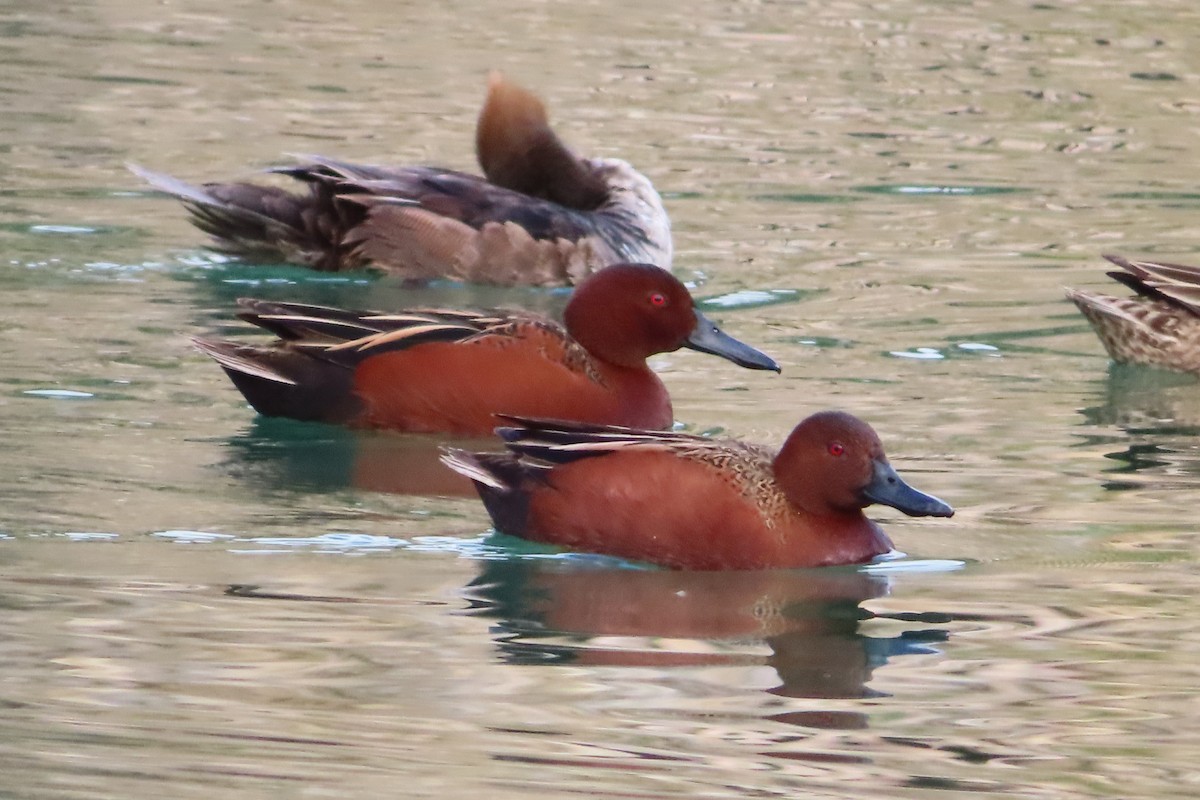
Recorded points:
(888, 197)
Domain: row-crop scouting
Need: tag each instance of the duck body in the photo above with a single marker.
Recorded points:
(439, 370)
(688, 502)
(539, 215)
(1160, 327)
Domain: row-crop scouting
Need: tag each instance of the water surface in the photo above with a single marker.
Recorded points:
(887, 197)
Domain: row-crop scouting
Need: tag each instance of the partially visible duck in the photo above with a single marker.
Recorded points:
(541, 215)
(1160, 327)
(688, 502)
(434, 370)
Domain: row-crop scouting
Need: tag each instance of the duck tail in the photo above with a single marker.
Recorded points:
(261, 223)
(501, 480)
(284, 382)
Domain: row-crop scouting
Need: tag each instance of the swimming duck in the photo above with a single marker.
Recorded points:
(689, 502)
(1160, 327)
(436, 370)
(541, 215)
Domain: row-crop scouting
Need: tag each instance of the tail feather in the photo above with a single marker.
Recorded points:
(282, 382)
(244, 360)
(260, 222)
(1172, 283)
(504, 483)
(470, 465)
(173, 186)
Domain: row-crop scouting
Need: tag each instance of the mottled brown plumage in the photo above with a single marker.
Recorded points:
(1160, 327)
(540, 215)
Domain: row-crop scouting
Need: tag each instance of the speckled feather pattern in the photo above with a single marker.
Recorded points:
(1141, 331)
(554, 342)
(744, 466)
(1160, 328)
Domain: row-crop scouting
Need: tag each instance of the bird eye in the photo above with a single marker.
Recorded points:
(658, 299)
(836, 448)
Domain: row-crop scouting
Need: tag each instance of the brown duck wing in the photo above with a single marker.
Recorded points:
(305, 323)
(425, 222)
(346, 337)
(447, 196)
(309, 372)
(742, 464)
(737, 477)
(470, 199)
(561, 441)
(331, 171)
(477, 202)
(1177, 284)
(281, 381)
(480, 210)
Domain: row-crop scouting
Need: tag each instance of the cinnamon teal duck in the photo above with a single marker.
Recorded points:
(689, 502)
(438, 370)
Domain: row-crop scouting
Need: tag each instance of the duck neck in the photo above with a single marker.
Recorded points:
(635, 219)
(642, 400)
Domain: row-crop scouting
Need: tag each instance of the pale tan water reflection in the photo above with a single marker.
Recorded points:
(887, 197)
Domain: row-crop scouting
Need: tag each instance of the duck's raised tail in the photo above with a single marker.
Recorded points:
(259, 223)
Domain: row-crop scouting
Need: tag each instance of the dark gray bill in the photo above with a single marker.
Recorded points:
(887, 488)
(708, 338)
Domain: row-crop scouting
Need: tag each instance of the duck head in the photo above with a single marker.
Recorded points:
(518, 150)
(833, 463)
(626, 313)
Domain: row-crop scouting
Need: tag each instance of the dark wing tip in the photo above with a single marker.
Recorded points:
(1120, 261)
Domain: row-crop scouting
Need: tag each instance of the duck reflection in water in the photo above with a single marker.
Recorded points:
(575, 612)
(1137, 398)
(1158, 416)
(288, 455)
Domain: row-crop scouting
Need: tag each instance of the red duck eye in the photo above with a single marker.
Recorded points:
(658, 300)
(836, 448)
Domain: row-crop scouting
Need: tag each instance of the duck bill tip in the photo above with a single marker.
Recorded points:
(707, 337)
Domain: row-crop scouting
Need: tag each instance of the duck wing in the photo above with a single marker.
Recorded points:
(1177, 284)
